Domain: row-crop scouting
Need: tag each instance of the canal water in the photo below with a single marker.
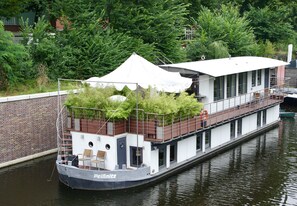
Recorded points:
(262, 171)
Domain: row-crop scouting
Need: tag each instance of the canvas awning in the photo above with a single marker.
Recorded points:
(137, 70)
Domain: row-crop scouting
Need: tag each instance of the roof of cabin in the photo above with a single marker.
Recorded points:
(226, 66)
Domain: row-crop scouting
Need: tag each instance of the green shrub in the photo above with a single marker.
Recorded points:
(95, 102)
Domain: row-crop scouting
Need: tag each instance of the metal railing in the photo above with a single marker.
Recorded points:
(160, 128)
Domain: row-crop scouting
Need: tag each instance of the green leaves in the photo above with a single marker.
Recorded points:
(220, 32)
(151, 102)
(14, 61)
(273, 23)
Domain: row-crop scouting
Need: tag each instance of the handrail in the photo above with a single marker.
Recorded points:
(161, 127)
(59, 138)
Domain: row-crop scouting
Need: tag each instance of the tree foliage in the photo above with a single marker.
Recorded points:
(99, 35)
(158, 23)
(84, 48)
(272, 23)
(14, 61)
(220, 32)
(11, 8)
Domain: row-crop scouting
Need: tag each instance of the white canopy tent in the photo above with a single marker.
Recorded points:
(137, 70)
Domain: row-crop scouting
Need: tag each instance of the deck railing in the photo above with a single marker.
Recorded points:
(160, 128)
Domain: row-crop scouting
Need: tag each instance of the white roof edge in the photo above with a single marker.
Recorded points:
(226, 66)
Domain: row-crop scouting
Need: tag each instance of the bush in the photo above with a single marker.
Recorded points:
(164, 106)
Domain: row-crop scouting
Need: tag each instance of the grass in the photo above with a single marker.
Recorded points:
(31, 87)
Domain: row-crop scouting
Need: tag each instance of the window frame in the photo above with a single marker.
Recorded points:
(232, 129)
(259, 77)
(254, 78)
(219, 88)
(199, 136)
(259, 119)
(231, 85)
(239, 127)
(242, 83)
(164, 157)
(264, 117)
(207, 136)
(174, 153)
(133, 156)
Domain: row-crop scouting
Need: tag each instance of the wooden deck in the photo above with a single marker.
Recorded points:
(193, 125)
(157, 131)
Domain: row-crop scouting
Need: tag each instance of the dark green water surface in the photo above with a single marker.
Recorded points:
(262, 171)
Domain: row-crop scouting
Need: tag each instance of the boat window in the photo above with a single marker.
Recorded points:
(259, 77)
(219, 88)
(242, 83)
(161, 157)
(231, 85)
(264, 117)
(199, 142)
(207, 138)
(91, 144)
(258, 119)
(232, 129)
(107, 146)
(239, 127)
(173, 153)
(136, 156)
(254, 74)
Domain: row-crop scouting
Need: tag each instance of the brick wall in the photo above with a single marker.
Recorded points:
(292, 74)
(27, 127)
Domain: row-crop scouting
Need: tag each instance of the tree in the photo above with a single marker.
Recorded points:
(14, 61)
(223, 31)
(158, 23)
(272, 23)
(11, 8)
(85, 48)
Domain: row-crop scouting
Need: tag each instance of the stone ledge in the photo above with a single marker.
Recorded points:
(27, 158)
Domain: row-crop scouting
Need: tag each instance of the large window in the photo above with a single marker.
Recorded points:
(162, 157)
(218, 88)
(207, 138)
(173, 153)
(231, 85)
(232, 129)
(259, 77)
(199, 142)
(242, 83)
(136, 156)
(264, 117)
(254, 74)
(258, 119)
(239, 127)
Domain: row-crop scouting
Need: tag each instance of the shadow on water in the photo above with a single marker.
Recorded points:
(262, 171)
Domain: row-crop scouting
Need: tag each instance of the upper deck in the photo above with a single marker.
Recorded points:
(156, 128)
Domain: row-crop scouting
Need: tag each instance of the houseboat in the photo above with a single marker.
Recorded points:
(97, 152)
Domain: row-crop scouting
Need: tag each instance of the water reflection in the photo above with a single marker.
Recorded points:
(262, 171)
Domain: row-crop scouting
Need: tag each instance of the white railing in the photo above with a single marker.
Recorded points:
(237, 101)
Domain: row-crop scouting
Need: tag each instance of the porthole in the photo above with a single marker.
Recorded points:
(107, 146)
(91, 144)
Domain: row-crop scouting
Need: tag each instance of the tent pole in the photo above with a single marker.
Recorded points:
(137, 152)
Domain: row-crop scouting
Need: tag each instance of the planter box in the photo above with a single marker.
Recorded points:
(94, 126)
(184, 127)
(144, 127)
(117, 127)
(77, 124)
(193, 124)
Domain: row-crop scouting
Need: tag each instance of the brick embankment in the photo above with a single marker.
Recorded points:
(28, 128)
